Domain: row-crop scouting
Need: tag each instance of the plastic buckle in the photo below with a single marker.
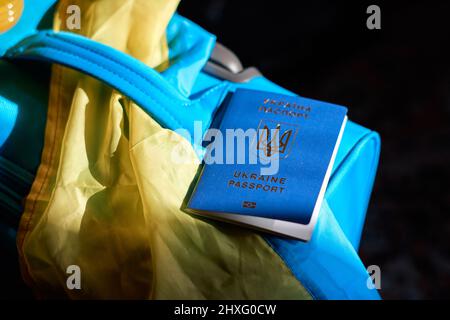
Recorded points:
(224, 64)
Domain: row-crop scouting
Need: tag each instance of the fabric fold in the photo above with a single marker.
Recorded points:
(108, 193)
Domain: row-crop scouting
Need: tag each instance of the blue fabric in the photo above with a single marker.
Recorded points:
(328, 266)
(190, 47)
(153, 92)
(350, 186)
(8, 115)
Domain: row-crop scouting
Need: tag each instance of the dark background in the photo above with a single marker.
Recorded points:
(396, 81)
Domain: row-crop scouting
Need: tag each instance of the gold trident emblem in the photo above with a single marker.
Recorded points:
(10, 13)
(276, 144)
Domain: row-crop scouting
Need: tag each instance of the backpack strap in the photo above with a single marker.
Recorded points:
(128, 75)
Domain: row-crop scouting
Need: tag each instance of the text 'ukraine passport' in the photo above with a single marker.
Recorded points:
(268, 164)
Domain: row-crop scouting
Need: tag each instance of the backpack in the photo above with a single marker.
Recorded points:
(192, 88)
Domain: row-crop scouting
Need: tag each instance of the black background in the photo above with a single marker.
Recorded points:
(396, 81)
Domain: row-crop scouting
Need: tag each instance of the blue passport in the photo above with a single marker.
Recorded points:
(268, 163)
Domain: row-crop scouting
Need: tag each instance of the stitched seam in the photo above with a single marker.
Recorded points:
(49, 164)
(50, 160)
(112, 72)
(148, 80)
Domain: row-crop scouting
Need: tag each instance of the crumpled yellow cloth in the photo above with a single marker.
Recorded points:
(107, 194)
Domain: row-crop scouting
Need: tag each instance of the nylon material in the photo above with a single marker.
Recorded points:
(190, 48)
(142, 190)
(290, 252)
(110, 204)
(327, 265)
(128, 75)
(8, 115)
(357, 176)
(135, 18)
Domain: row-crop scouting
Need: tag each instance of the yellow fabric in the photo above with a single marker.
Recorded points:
(107, 194)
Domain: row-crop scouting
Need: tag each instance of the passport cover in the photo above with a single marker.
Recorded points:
(288, 201)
